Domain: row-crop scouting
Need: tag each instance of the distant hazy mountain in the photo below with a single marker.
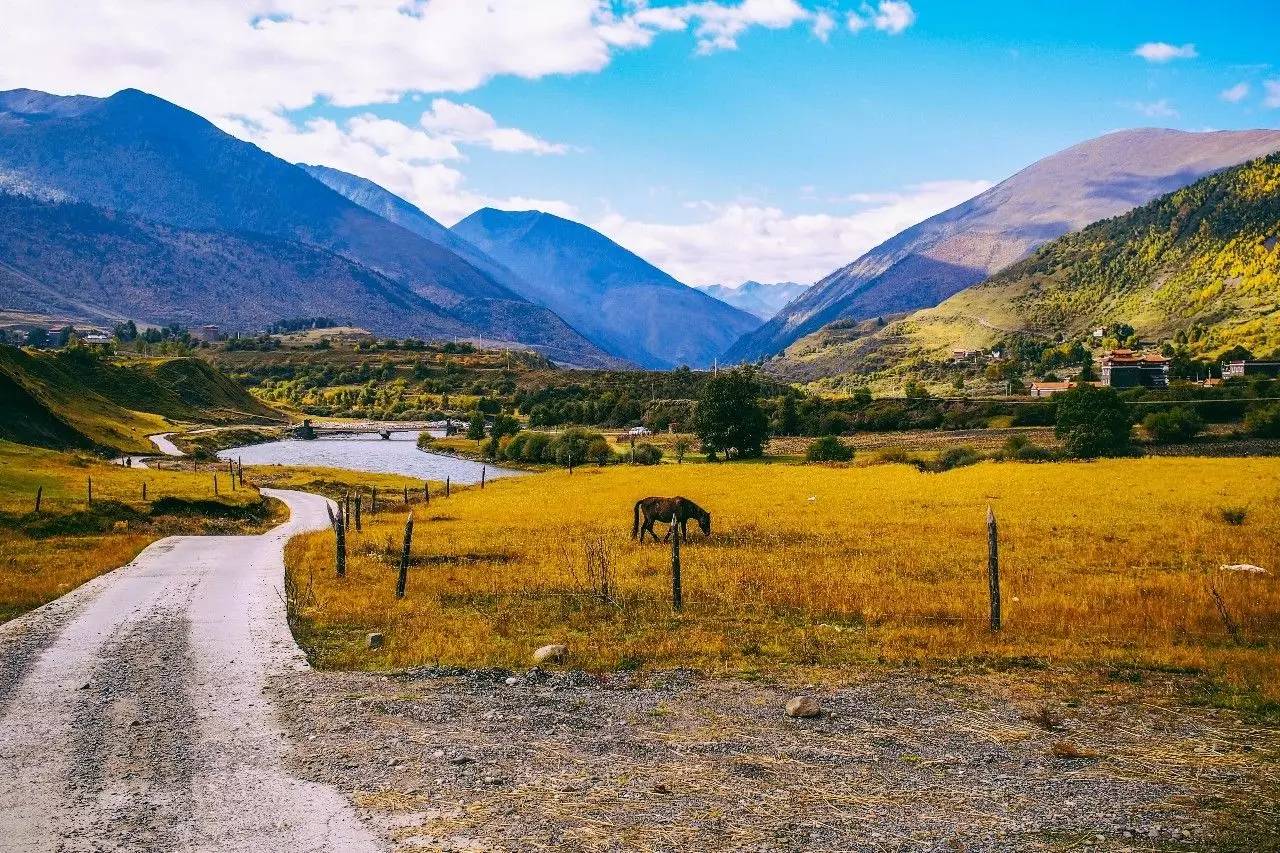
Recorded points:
(138, 154)
(930, 261)
(620, 301)
(762, 300)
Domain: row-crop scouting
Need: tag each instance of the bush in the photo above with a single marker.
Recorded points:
(1178, 424)
(952, 457)
(1092, 421)
(828, 449)
(648, 454)
(1263, 421)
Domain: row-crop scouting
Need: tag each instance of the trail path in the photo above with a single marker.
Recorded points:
(164, 445)
(134, 712)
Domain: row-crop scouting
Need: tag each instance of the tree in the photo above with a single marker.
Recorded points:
(38, 337)
(788, 419)
(1092, 421)
(729, 418)
(1177, 424)
(475, 429)
(829, 449)
(1087, 371)
(681, 447)
(1263, 421)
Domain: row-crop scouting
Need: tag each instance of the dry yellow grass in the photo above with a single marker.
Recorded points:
(1109, 562)
(37, 569)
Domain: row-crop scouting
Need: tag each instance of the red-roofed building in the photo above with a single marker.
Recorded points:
(1124, 368)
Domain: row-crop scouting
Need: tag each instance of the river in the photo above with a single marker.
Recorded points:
(363, 452)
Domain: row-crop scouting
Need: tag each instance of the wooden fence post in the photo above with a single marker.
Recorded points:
(426, 492)
(406, 495)
(484, 469)
(346, 510)
(339, 537)
(373, 501)
(358, 527)
(144, 490)
(570, 460)
(677, 596)
(90, 492)
(403, 579)
(446, 487)
(993, 568)
(215, 484)
(39, 494)
(231, 472)
(240, 469)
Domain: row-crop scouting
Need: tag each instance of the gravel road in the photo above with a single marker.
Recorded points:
(164, 445)
(134, 713)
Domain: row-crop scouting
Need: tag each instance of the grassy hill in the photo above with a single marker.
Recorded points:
(76, 398)
(1198, 269)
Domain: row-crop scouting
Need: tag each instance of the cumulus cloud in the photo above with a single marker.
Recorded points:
(1236, 93)
(735, 242)
(468, 124)
(1271, 94)
(251, 57)
(890, 16)
(1159, 51)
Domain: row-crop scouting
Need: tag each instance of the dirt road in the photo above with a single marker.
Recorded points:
(134, 713)
(165, 445)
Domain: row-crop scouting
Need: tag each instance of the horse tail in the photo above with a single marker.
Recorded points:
(635, 520)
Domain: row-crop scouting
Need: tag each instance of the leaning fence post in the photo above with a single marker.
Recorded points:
(404, 556)
(340, 539)
(993, 568)
(144, 490)
(39, 494)
(358, 527)
(677, 598)
(231, 472)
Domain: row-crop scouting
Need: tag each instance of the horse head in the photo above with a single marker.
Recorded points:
(704, 521)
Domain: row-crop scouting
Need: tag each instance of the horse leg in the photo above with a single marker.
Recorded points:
(684, 529)
(648, 527)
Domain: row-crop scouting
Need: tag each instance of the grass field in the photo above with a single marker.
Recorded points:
(1112, 564)
(68, 542)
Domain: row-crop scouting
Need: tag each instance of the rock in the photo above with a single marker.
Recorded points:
(804, 707)
(511, 681)
(554, 653)
(373, 641)
(493, 780)
(1245, 567)
(660, 788)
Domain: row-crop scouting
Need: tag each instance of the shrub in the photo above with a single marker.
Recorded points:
(952, 457)
(1263, 421)
(648, 454)
(1234, 515)
(1178, 424)
(828, 449)
(1092, 421)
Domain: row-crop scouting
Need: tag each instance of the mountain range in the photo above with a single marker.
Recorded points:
(944, 254)
(1198, 267)
(616, 298)
(754, 297)
(151, 163)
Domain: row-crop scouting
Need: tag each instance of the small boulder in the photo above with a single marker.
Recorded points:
(804, 707)
(373, 641)
(554, 653)
(1245, 567)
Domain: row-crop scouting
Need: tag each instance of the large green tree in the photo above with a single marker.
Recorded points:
(1092, 421)
(729, 418)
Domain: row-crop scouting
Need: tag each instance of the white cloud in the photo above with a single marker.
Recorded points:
(1159, 51)
(740, 241)
(1236, 93)
(1162, 108)
(253, 57)
(890, 16)
(823, 25)
(1271, 98)
(468, 124)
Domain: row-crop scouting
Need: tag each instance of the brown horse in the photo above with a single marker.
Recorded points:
(671, 511)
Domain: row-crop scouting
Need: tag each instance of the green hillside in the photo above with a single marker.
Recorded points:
(76, 398)
(1197, 270)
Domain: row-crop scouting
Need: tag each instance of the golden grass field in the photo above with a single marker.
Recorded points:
(37, 569)
(1108, 563)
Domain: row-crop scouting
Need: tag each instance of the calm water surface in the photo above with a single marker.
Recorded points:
(399, 455)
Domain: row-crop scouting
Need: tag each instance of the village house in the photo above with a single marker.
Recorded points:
(208, 333)
(1241, 369)
(1048, 389)
(1124, 368)
(966, 356)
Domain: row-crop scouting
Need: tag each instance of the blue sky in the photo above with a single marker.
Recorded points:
(724, 140)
